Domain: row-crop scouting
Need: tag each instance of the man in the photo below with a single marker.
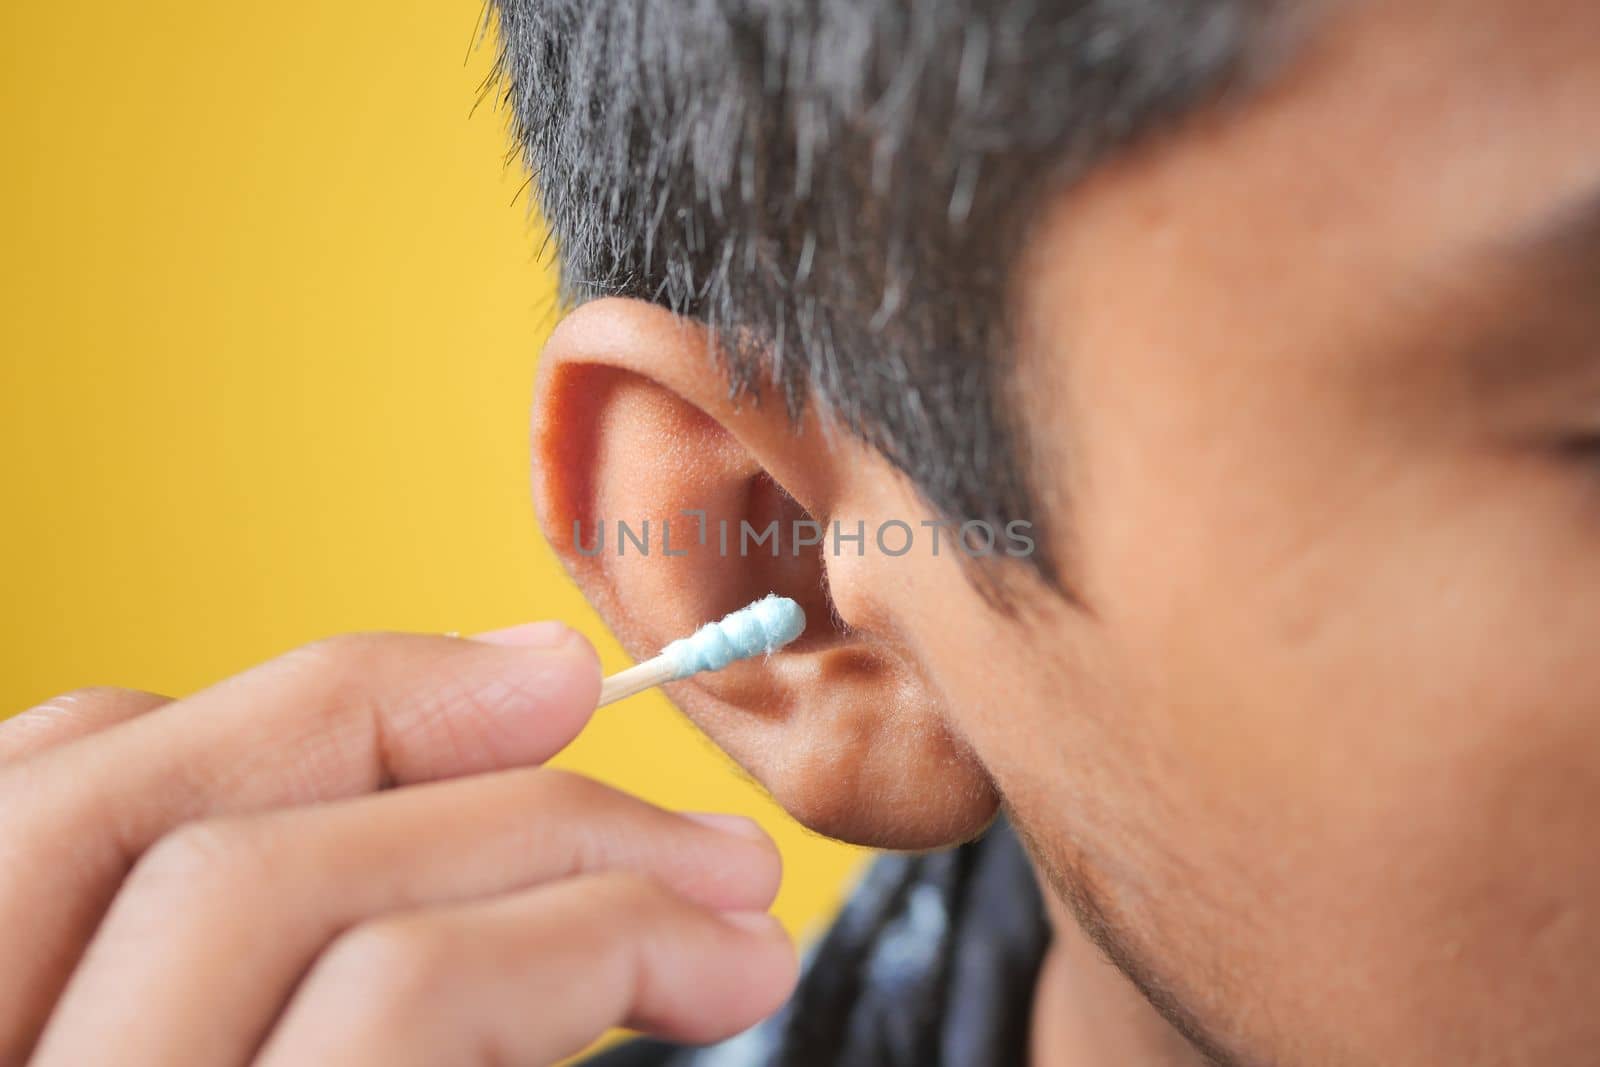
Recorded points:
(1274, 328)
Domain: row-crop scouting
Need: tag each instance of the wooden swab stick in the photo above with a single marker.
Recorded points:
(763, 627)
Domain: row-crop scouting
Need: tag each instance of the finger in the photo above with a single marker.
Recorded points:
(161, 979)
(535, 977)
(70, 716)
(334, 719)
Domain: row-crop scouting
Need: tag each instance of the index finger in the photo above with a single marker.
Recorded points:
(67, 717)
(334, 719)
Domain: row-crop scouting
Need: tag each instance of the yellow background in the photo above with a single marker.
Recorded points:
(269, 309)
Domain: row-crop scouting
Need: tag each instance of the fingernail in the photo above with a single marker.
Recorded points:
(737, 825)
(527, 635)
(760, 923)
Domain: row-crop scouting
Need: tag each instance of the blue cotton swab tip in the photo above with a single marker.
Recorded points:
(763, 627)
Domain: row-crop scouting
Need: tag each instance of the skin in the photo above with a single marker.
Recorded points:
(219, 880)
(1311, 752)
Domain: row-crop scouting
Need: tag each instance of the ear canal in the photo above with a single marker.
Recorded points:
(674, 505)
(658, 500)
(790, 567)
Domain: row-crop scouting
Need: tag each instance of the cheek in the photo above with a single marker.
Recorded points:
(1374, 727)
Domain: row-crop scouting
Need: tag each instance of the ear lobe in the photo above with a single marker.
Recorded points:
(673, 504)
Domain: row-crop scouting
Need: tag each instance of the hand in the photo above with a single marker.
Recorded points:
(227, 879)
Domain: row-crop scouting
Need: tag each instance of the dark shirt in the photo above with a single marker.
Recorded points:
(931, 963)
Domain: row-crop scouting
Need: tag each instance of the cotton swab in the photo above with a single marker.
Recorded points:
(765, 626)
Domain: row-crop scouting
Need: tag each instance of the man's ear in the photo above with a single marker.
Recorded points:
(672, 503)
